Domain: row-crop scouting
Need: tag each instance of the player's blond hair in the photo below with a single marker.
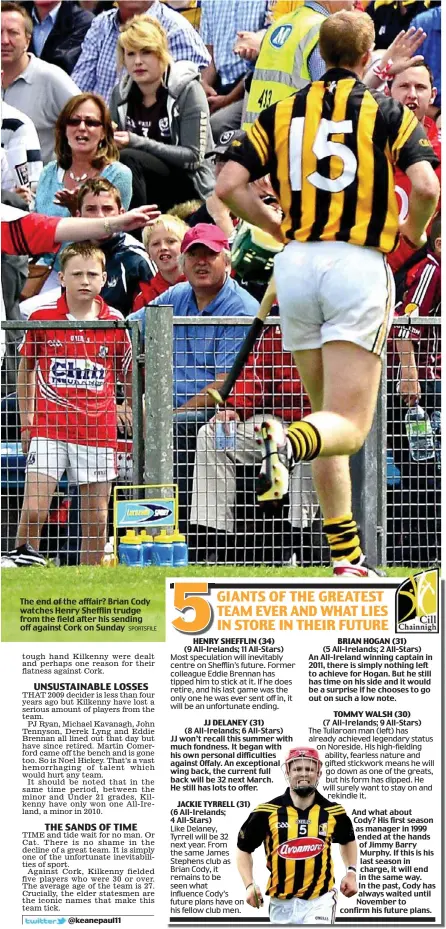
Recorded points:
(82, 250)
(172, 224)
(143, 32)
(345, 37)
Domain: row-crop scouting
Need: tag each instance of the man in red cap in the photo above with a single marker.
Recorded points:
(202, 355)
(297, 830)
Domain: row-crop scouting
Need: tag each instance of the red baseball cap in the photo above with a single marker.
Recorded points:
(205, 234)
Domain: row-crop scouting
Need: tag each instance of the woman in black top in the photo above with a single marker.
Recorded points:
(162, 116)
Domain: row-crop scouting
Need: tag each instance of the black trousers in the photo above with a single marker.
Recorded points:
(156, 182)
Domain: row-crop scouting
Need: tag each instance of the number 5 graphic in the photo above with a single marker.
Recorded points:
(322, 148)
(185, 599)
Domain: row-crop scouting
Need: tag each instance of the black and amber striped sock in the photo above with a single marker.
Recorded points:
(343, 538)
(305, 441)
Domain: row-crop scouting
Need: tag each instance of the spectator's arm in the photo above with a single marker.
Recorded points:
(85, 71)
(397, 57)
(77, 229)
(209, 74)
(26, 396)
(220, 101)
(248, 44)
(409, 386)
(202, 400)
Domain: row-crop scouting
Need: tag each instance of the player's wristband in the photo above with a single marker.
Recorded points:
(351, 868)
(249, 885)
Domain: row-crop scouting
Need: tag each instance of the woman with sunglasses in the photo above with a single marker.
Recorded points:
(84, 148)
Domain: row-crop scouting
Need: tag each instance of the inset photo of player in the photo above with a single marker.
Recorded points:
(297, 830)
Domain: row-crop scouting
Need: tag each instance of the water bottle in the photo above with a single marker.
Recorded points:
(225, 440)
(162, 550)
(129, 549)
(146, 541)
(108, 559)
(180, 550)
(436, 429)
(420, 435)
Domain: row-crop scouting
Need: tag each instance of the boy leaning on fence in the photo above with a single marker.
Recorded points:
(67, 402)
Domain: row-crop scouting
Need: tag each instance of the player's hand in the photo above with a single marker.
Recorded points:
(248, 45)
(125, 418)
(254, 896)
(122, 138)
(26, 439)
(226, 417)
(349, 886)
(401, 53)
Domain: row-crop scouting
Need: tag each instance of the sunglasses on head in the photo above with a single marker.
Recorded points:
(88, 121)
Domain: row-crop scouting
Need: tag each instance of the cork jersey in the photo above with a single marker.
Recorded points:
(297, 844)
(75, 375)
(28, 233)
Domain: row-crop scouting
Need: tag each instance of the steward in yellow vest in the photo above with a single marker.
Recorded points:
(282, 65)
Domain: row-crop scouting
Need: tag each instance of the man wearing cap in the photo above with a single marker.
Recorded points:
(297, 829)
(202, 355)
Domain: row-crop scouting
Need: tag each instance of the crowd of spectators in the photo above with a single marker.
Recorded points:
(111, 105)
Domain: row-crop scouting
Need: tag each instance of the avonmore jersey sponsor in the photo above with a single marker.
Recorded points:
(77, 372)
(301, 848)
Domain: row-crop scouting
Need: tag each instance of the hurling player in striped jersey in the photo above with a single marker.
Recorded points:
(297, 830)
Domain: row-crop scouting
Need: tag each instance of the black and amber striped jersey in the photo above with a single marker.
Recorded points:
(331, 150)
(297, 844)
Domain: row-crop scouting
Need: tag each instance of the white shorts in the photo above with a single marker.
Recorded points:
(84, 464)
(334, 291)
(310, 912)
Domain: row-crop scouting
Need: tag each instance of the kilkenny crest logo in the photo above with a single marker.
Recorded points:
(417, 603)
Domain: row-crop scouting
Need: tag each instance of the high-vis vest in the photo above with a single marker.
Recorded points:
(291, 37)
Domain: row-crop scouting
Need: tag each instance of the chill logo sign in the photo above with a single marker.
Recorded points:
(416, 608)
(145, 513)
